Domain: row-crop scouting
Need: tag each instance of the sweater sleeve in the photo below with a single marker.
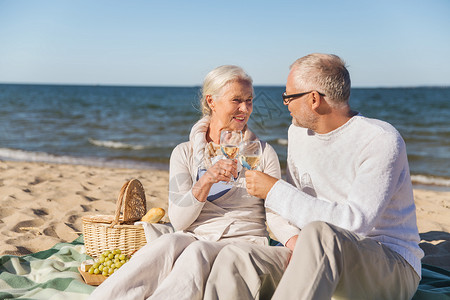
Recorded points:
(184, 208)
(280, 227)
(380, 169)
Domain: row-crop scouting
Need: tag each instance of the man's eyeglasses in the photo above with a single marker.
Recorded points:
(288, 98)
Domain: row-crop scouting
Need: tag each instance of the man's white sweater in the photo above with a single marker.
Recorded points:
(356, 177)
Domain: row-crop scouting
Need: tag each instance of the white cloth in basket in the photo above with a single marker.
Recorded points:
(155, 230)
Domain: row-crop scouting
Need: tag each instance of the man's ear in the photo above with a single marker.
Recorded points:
(316, 100)
(210, 102)
(319, 104)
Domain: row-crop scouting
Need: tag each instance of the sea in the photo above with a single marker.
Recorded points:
(137, 127)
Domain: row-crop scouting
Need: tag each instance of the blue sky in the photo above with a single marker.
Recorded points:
(175, 43)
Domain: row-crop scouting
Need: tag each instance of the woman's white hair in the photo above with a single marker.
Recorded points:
(217, 79)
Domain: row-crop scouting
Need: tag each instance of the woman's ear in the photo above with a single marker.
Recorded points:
(210, 102)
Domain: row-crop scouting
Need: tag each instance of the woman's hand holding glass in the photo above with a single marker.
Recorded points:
(223, 170)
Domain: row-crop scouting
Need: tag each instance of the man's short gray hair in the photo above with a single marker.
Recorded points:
(325, 73)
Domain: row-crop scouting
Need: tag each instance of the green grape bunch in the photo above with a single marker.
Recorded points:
(109, 262)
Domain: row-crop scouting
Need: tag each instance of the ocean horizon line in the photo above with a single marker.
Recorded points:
(424, 86)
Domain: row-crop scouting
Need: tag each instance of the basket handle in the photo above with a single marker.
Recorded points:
(119, 204)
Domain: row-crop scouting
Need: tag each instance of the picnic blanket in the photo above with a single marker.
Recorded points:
(52, 274)
(434, 285)
(49, 274)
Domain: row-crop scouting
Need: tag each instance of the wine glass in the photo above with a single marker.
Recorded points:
(250, 154)
(229, 144)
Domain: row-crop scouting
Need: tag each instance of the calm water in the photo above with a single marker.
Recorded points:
(139, 126)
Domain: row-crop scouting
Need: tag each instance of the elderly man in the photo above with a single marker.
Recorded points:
(348, 189)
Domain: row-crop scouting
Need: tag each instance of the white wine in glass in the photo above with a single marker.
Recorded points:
(230, 151)
(251, 161)
(229, 143)
(250, 154)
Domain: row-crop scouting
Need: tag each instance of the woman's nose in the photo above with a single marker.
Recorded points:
(245, 107)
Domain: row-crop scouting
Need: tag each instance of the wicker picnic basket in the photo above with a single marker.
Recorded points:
(106, 232)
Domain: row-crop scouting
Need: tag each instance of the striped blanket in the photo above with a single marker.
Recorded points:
(50, 274)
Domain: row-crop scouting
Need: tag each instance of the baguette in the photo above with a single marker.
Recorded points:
(154, 215)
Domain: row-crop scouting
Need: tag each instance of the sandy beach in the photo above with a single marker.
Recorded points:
(42, 204)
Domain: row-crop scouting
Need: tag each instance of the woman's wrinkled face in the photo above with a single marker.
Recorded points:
(234, 105)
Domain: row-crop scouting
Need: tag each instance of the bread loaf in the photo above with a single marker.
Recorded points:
(154, 215)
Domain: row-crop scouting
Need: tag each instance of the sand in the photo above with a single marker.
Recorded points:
(42, 204)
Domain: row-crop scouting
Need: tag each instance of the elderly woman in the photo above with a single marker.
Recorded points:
(206, 212)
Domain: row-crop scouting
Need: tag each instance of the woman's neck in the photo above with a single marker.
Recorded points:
(214, 129)
(213, 132)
